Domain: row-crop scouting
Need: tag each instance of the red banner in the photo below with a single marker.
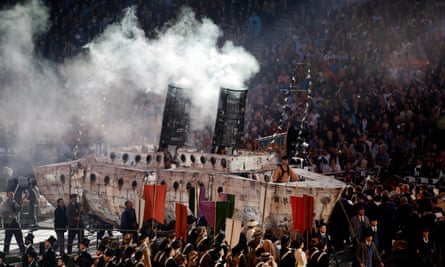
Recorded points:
(302, 213)
(154, 196)
(181, 222)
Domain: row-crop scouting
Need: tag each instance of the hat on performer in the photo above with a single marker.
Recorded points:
(29, 237)
(52, 240)
(63, 258)
(109, 252)
(177, 244)
(85, 242)
(252, 223)
(32, 254)
(143, 235)
(101, 247)
(191, 219)
(258, 234)
(2, 255)
(285, 240)
(368, 233)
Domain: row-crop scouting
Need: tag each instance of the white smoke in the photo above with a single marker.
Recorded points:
(100, 86)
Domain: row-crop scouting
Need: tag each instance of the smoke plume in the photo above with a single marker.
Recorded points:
(98, 95)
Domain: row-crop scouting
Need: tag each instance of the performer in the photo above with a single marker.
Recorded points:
(367, 254)
(139, 258)
(48, 256)
(129, 223)
(283, 172)
(60, 225)
(287, 254)
(29, 246)
(144, 247)
(252, 226)
(9, 212)
(359, 223)
(62, 260)
(33, 195)
(73, 215)
(83, 259)
(32, 259)
(99, 261)
(317, 253)
(109, 258)
(324, 236)
(300, 255)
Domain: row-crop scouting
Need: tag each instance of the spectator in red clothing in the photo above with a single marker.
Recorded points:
(283, 79)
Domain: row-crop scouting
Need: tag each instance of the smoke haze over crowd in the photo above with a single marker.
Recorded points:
(98, 87)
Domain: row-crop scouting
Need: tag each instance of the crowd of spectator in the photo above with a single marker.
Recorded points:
(362, 83)
(75, 23)
(368, 77)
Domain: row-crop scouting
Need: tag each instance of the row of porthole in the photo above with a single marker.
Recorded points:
(149, 158)
(120, 181)
(137, 158)
(203, 160)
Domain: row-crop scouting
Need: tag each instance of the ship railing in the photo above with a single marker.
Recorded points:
(277, 141)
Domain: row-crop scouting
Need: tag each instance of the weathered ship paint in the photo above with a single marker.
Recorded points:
(106, 183)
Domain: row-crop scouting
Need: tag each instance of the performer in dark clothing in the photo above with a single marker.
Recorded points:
(73, 215)
(129, 223)
(48, 256)
(33, 195)
(377, 235)
(32, 259)
(366, 254)
(29, 246)
(287, 255)
(425, 249)
(324, 236)
(109, 258)
(317, 254)
(83, 259)
(60, 225)
(9, 212)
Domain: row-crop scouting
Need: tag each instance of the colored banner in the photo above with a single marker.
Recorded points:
(181, 222)
(302, 212)
(154, 196)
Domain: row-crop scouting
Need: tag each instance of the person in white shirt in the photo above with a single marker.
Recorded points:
(300, 255)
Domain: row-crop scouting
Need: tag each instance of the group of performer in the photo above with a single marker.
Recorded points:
(147, 247)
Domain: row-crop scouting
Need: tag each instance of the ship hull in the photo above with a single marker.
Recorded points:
(104, 185)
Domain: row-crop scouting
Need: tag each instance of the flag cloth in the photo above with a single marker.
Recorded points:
(222, 210)
(233, 231)
(140, 209)
(302, 212)
(231, 199)
(308, 202)
(181, 222)
(214, 212)
(154, 196)
(231, 209)
(208, 210)
(202, 194)
(192, 200)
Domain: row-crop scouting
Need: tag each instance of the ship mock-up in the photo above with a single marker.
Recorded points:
(105, 182)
